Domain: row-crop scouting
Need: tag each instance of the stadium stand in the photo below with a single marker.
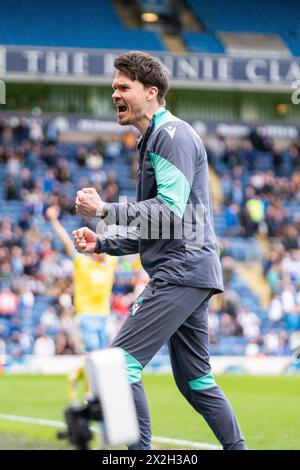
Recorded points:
(279, 18)
(260, 185)
(50, 24)
(203, 42)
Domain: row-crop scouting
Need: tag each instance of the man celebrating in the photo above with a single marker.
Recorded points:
(171, 227)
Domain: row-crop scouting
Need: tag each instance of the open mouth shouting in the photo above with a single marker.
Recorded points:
(121, 109)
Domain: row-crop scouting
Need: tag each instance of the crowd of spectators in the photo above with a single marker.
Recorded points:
(36, 280)
(260, 183)
(36, 289)
(271, 333)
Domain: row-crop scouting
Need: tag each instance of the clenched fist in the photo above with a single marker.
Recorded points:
(84, 240)
(89, 203)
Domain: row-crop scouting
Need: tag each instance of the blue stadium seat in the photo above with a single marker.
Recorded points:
(243, 249)
(220, 225)
(257, 16)
(70, 23)
(247, 297)
(203, 42)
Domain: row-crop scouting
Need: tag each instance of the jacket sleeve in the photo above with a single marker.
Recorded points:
(174, 160)
(118, 241)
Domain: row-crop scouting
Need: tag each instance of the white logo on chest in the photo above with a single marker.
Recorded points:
(171, 131)
(135, 307)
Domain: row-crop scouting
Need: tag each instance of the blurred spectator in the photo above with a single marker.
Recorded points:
(33, 156)
(26, 180)
(2, 350)
(231, 154)
(277, 160)
(271, 343)
(226, 184)
(228, 268)
(81, 156)
(274, 219)
(294, 153)
(213, 326)
(294, 340)
(16, 261)
(94, 161)
(255, 209)
(49, 182)
(8, 302)
(288, 299)
(35, 131)
(112, 150)
(216, 148)
(63, 172)
(26, 299)
(50, 156)
(50, 321)
(44, 346)
(129, 141)
(26, 341)
(227, 325)
(291, 265)
(51, 132)
(11, 189)
(232, 219)
(7, 134)
(64, 345)
(121, 304)
(275, 312)
(258, 139)
(249, 323)
(247, 154)
(252, 348)
(237, 193)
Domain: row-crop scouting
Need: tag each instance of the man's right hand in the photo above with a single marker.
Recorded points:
(84, 240)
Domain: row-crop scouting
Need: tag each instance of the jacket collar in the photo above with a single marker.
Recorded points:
(144, 139)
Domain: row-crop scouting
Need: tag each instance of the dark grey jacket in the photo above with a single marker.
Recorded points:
(171, 224)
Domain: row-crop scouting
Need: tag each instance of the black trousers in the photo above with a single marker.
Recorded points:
(177, 315)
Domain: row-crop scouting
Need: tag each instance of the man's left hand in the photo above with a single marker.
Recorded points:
(89, 203)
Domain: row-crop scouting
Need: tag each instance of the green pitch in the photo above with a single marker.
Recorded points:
(267, 408)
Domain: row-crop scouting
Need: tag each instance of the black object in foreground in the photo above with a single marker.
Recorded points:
(77, 417)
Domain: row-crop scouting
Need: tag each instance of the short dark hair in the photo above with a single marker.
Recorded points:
(146, 69)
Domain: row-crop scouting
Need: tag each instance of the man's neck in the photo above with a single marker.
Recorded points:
(143, 125)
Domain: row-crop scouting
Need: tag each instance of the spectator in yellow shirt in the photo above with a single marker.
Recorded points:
(93, 281)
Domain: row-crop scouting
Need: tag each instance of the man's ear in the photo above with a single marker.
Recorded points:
(152, 93)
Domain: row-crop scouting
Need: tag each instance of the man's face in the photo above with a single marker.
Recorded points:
(130, 99)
